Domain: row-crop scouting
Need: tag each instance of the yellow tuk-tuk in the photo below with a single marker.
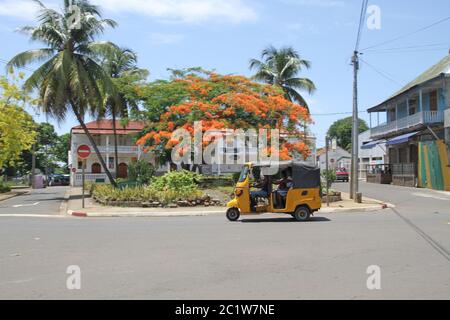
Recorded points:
(301, 200)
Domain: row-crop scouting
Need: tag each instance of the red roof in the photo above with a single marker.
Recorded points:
(105, 126)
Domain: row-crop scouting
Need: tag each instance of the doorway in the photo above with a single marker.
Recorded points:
(96, 168)
(122, 171)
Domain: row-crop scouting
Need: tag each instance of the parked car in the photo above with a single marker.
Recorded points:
(58, 180)
(342, 175)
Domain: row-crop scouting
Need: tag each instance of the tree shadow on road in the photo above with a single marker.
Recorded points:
(287, 219)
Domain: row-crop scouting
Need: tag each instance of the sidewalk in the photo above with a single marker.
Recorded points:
(348, 205)
(93, 209)
(13, 193)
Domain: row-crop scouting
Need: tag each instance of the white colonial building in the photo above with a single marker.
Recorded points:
(102, 132)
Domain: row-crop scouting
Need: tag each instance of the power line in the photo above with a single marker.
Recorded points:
(361, 22)
(410, 47)
(408, 51)
(408, 34)
(381, 73)
(334, 113)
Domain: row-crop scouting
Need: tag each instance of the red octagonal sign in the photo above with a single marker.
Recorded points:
(84, 151)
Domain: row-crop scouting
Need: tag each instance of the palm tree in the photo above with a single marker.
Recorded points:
(280, 67)
(121, 63)
(69, 78)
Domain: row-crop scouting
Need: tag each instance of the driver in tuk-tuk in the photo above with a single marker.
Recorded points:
(264, 185)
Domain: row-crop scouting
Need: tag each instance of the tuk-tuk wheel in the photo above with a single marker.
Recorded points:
(302, 214)
(233, 214)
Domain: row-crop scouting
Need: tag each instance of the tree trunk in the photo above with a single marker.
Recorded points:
(116, 152)
(94, 145)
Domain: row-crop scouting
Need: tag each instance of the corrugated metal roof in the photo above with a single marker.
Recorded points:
(442, 67)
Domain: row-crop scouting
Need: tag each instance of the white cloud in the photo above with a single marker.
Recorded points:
(186, 11)
(316, 3)
(166, 38)
(24, 9)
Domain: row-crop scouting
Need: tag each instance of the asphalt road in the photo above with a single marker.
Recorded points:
(40, 202)
(259, 258)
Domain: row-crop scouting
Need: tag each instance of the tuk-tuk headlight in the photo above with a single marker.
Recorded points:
(238, 192)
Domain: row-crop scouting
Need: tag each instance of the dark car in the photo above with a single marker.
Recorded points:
(342, 175)
(58, 180)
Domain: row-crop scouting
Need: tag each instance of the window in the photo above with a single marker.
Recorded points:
(111, 163)
(391, 115)
(412, 106)
(80, 165)
(244, 174)
(433, 100)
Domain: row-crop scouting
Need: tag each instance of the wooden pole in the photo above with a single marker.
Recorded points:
(327, 139)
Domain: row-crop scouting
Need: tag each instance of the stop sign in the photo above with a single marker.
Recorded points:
(84, 151)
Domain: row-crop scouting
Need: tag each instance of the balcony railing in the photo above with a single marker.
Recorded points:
(120, 149)
(91, 177)
(424, 117)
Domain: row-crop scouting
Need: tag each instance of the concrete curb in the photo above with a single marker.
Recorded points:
(200, 213)
(9, 196)
(373, 208)
(143, 214)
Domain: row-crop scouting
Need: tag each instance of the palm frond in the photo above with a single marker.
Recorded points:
(30, 56)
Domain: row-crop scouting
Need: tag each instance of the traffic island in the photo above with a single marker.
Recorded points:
(94, 209)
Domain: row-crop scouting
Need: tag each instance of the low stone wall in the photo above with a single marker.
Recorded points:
(205, 201)
(334, 197)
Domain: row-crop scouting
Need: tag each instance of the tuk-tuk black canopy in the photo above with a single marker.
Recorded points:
(304, 175)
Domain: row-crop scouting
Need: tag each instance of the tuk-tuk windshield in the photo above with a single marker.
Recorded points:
(244, 174)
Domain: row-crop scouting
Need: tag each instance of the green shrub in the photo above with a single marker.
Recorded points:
(169, 188)
(141, 172)
(4, 187)
(236, 176)
(214, 182)
(176, 180)
(331, 175)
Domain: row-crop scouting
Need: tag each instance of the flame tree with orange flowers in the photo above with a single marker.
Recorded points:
(220, 102)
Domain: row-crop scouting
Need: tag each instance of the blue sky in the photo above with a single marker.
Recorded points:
(224, 34)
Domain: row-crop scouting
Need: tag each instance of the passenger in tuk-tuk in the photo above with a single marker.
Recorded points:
(284, 185)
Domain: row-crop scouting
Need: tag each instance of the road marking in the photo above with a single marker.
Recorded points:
(8, 215)
(436, 245)
(25, 205)
(424, 195)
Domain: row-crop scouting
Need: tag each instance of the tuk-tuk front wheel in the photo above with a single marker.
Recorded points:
(233, 214)
(302, 214)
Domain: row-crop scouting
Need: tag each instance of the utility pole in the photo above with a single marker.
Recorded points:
(355, 129)
(327, 171)
(33, 167)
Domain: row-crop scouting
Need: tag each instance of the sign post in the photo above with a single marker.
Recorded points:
(83, 152)
(327, 172)
(82, 182)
